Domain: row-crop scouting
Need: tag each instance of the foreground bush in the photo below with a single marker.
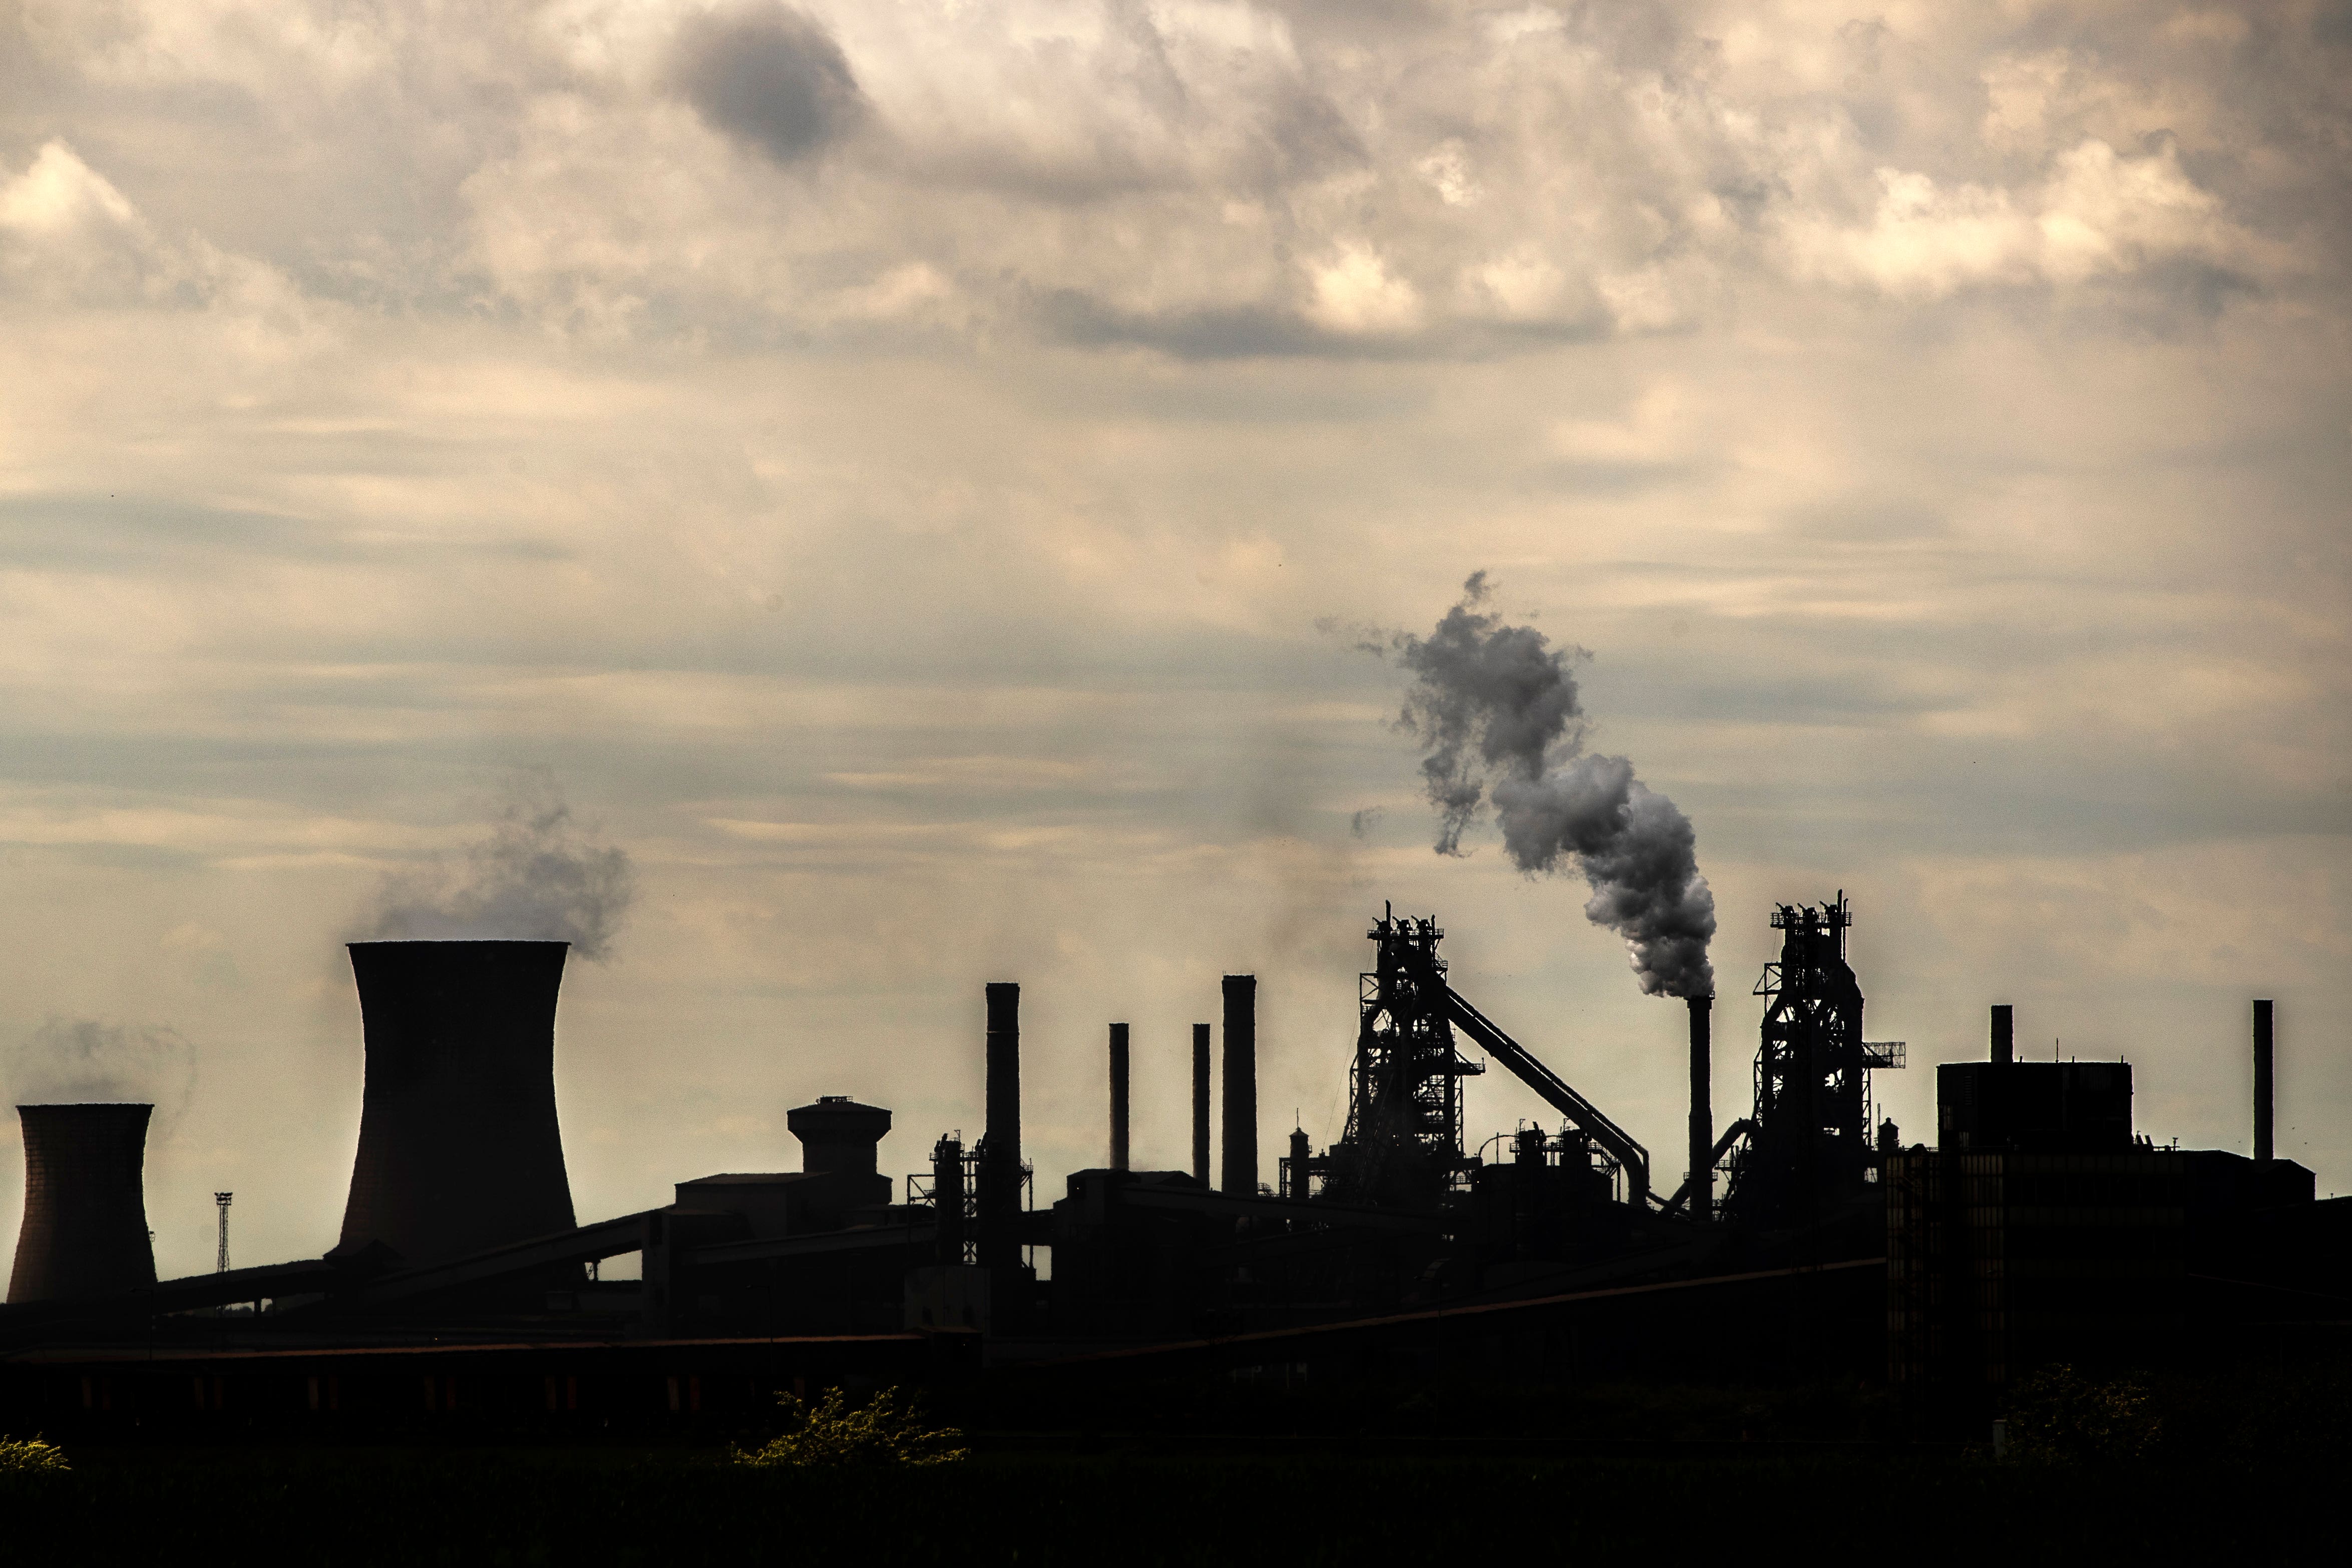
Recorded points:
(2059, 1417)
(887, 1430)
(31, 1453)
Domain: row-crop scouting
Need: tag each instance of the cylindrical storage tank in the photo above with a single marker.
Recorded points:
(460, 1151)
(85, 1230)
(840, 1137)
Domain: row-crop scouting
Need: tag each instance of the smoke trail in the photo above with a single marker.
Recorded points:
(1496, 710)
(74, 1060)
(539, 876)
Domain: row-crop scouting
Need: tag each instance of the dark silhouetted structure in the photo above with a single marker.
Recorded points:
(85, 1230)
(2263, 1082)
(839, 1139)
(1808, 1156)
(1118, 1096)
(1201, 1103)
(1701, 1205)
(1241, 1085)
(460, 1148)
(1000, 1146)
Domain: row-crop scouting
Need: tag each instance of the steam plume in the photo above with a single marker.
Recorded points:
(539, 876)
(76, 1060)
(1495, 707)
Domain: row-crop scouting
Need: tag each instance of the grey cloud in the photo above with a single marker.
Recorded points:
(771, 77)
(72, 1060)
(538, 876)
(1495, 704)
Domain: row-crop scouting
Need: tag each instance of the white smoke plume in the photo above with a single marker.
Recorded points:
(69, 1061)
(539, 876)
(1495, 706)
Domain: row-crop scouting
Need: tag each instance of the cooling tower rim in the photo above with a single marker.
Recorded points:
(79, 1104)
(461, 942)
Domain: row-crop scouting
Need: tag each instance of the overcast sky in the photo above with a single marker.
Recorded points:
(887, 465)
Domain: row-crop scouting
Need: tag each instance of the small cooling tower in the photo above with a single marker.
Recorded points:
(459, 1146)
(85, 1231)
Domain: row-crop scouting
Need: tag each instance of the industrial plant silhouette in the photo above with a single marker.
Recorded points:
(1807, 1241)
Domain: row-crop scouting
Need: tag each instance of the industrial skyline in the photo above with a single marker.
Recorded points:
(928, 533)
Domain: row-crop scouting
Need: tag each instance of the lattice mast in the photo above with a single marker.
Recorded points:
(1811, 1144)
(1404, 1141)
(220, 1263)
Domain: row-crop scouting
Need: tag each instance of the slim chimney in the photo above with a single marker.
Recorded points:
(85, 1230)
(1201, 1103)
(1701, 1207)
(2263, 1082)
(460, 1151)
(1241, 1085)
(1118, 1096)
(1000, 1164)
(2004, 1032)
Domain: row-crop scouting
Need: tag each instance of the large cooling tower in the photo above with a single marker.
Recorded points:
(459, 1146)
(85, 1231)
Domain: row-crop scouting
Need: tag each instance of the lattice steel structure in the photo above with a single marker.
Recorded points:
(1809, 1150)
(220, 1263)
(1403, 1141)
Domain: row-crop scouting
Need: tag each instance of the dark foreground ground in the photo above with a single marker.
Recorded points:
(2246, 1467)
(613, 1506)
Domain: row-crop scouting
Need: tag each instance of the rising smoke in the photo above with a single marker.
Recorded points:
(1496, 709)
(69, 1061)
(539, 876)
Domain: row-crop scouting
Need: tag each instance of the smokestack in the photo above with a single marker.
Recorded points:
(1201, 1103)
(460, 1151)
(1241, 1085)
(1702, 1109)
(1118, 1096)
(2004, 1032)
(1000, 1147)
(2263, 1082)
(85, 1230)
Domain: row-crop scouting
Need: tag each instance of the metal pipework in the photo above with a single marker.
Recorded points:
(2263, 1082)
(1702, 1109)
(1201, 1103)
(1240, 1175)
(2004, 1032)
(1119, 1149)
(1000, 1164)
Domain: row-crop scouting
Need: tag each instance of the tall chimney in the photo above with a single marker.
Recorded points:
(1000, 1148)
(85, 1230)
(2004, 1032)
(1702, 1109)
(1118, 1096)
(2263, 1082)
(460, 1151)
(1241, 1085)
(1201, 1103)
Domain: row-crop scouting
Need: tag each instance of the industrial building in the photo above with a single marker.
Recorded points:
(2040, 1226)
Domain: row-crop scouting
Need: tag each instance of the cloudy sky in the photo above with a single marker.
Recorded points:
(912, 477)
